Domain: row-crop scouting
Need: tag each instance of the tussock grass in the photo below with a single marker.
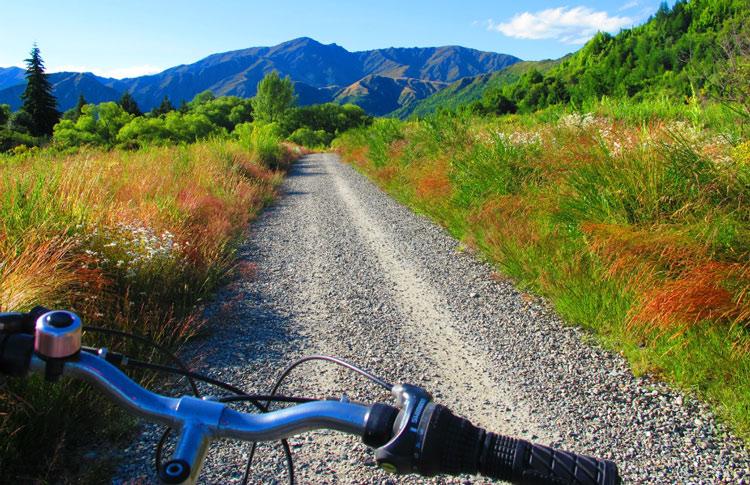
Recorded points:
(634, 220)
(135, 240)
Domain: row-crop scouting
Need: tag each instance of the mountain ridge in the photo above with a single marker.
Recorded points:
(321, 72)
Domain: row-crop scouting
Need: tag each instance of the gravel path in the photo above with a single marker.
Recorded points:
(344, 270)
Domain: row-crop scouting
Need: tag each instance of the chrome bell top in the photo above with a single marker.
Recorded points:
(58, 334)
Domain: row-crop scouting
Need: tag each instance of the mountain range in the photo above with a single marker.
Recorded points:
(380, 80)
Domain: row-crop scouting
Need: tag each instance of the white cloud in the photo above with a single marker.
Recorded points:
(569, 25)
(117, 72)
(629, 5)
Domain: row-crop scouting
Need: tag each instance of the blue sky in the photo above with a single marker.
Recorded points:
(120, 39)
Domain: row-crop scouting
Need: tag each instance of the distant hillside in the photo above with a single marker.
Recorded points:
(379, 95)
(10, 76)
(66, 87)
(321, 73)
(471, 89)
(668, 55)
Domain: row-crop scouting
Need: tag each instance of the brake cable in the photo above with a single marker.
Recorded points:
(285, 373)
(240, 396)
(192, 376)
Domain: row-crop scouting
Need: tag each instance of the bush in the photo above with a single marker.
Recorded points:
(311, 139)
(326, 121)
(263, 140)
(98, 125)
(10, 139)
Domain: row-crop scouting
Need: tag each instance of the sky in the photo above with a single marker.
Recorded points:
(126, 39)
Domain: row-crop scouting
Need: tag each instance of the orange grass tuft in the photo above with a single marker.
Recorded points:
(506, 218)
(678, 281)
(432, 182)
(626, 248)
(355, 154)
(696, 295)
(396, 149)
(387, 173)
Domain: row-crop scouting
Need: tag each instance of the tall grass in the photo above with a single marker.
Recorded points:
(634, 220)
(135, 240)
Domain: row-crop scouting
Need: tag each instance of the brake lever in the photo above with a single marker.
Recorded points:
(17, 322)
(402, 452)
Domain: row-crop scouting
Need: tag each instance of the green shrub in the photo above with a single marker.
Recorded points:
(263, 139)
(312, 139)
(10, 139)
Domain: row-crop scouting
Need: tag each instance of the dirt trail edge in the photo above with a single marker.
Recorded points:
(342, 269)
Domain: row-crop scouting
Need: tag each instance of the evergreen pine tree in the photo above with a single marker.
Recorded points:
(38, 100)
(79, 107)
(127, 102)
(164, 108)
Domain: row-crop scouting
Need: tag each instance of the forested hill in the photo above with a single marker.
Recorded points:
(674, 53)
(469, 89)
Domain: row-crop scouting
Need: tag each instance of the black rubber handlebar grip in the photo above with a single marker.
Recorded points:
(452, 445)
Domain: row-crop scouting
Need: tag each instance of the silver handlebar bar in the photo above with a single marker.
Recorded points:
(200, 421)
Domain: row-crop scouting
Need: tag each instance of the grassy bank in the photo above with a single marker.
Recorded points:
(633, 220)
(135, 240)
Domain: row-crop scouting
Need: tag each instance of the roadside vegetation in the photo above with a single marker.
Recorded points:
(132, 220)
(132, 240)
(631, 217)
(636, 230)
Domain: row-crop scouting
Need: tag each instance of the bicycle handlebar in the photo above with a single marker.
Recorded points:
(417, 436)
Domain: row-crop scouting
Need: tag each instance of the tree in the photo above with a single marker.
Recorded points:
(495, 102)
(4, 115)
(20, 121)
(38, 100)
(274, 99)
(731, 83)
(203, 97)
(98, 125)
(74, 113)
(81, 103)
(127, 102)
(164, 108)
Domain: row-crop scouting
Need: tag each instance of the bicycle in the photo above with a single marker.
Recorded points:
(416, 436)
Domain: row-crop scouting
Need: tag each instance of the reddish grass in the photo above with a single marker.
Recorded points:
(678, 282)
(355, 154)
(626, 247)
(568, 151)
(39, 271)
(397, 148)
(386, 174)
(432, 182)
(696, 295)
(506, 218)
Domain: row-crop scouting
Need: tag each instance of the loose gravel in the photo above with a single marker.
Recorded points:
(342, 269)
